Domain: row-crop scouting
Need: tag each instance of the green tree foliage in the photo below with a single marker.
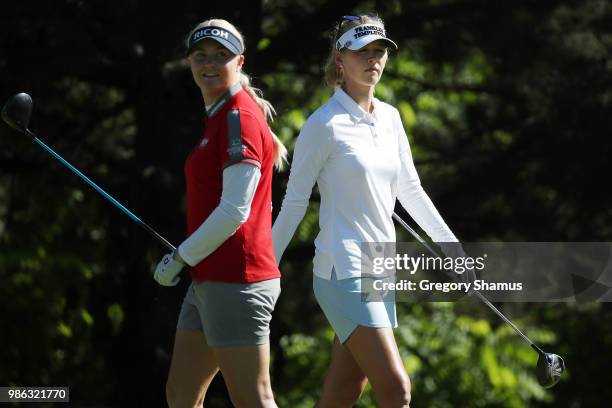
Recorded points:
(507, 107)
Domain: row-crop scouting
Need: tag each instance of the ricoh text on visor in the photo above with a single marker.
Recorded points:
(221, 35)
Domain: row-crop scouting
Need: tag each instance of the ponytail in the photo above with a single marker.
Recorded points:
(280, 151)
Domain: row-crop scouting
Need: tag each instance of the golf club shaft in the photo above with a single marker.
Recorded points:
(505, 319)
(414, 234)
(477, 293)
(101, 191)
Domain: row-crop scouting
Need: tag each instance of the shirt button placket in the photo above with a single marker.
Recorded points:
(372, 126)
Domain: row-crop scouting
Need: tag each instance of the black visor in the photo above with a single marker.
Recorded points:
(221, 35)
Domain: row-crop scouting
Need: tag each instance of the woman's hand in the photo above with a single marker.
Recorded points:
(168, 269)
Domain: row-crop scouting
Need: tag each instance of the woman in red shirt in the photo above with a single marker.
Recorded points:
(225, 317)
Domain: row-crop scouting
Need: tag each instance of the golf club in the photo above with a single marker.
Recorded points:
(16, 113)
(550, 366)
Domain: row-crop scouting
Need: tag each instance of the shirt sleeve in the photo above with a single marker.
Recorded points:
(412, 196)
(239, 184)
(311, 151)
(244, 139)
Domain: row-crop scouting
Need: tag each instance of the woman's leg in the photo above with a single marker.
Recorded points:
(246, 373)
(192, 369)
(376, 353)
(344, 381)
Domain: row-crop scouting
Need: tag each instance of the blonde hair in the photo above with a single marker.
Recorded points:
(334, 76)
(280, 151)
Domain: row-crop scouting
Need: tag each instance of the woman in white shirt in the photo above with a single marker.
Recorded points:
(355, 148)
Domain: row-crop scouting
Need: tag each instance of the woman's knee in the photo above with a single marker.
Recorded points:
(354, 388)
(177, 399)
(346, 393)
(171, 394)
(262, 398)
(395, 389)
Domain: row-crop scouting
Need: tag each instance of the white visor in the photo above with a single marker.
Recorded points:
(361, 35)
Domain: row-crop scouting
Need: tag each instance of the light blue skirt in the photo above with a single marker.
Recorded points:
(346, 306)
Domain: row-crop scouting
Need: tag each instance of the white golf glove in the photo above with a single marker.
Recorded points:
(168, 269)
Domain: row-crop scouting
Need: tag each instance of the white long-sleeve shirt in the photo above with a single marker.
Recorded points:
(361, 163)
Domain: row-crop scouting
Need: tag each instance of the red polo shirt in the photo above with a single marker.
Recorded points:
(236, 131)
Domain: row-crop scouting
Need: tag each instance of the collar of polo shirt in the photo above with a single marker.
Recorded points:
(357, 113)
(361, 35)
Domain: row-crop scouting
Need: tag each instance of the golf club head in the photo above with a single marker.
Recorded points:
(17, 110)
(549, 369)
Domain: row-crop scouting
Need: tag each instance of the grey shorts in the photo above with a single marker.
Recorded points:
(230, 314)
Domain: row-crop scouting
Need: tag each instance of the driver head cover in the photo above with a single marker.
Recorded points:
(359, 36)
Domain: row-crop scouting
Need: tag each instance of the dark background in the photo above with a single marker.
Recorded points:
(508, 109)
